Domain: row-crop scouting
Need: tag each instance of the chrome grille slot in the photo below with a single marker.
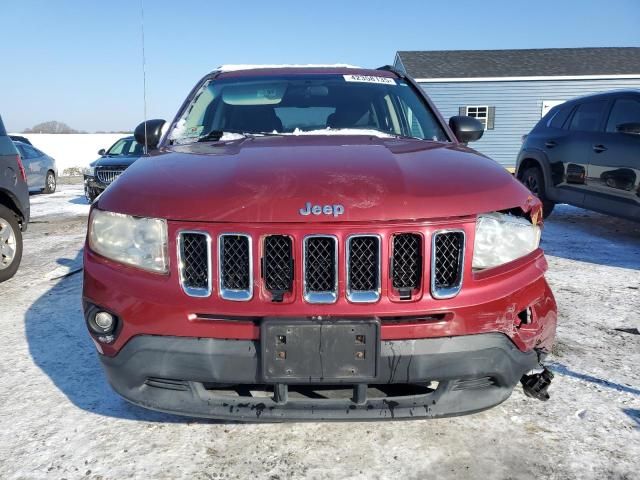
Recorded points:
(194, 259)
(320, 269)
(406, 264)
(363, 268)
(447, 260)
(235, 266)
(108, 175)
(277, 266)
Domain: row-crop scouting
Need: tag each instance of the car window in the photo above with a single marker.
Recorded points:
(32, 152)
(587, 116)
(625, 110)
(560, 117)
(21, 150)
(135, 149)
(116, 148)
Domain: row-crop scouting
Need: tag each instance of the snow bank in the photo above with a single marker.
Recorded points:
(72, 150)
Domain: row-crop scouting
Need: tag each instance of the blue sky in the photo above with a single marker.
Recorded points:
(80, 61)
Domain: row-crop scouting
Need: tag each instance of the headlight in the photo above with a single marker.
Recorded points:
(141, 242)
(90, 171)
(501, 238)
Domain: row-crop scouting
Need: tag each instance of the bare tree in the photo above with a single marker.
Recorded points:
(52, 126)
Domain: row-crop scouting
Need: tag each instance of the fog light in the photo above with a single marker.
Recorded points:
(102, 323)
(104, 320)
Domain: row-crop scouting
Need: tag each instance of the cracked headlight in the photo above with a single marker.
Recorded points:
(140, 242)
(501, 238)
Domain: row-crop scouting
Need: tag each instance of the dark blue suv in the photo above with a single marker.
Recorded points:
(586, 152)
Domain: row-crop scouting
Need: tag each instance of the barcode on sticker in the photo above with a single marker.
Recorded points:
(369, 79)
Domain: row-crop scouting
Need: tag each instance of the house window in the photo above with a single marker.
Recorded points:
(483, 113)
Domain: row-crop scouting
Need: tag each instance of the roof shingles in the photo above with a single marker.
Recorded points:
(549, 62)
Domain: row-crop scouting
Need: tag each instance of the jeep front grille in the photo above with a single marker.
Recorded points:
(447, 259)
(235, 266)
(363, 268)
(406, 264)
(194, 258)
(320, 269)
(108, 175)
(277, 266)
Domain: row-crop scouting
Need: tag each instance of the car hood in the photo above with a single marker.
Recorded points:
(115, 161)
(270, 179)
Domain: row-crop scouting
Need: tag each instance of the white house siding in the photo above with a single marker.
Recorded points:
(518, 106)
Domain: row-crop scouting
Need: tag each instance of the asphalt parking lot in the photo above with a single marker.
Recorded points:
(60, 419)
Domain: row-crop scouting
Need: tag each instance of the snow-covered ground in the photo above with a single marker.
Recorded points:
(59, 418)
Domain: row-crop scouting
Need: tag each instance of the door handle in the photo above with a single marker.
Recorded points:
(599, 148)
(550, 144)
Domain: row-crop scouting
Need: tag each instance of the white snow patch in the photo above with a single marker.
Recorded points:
(235, 68)
(341, 131)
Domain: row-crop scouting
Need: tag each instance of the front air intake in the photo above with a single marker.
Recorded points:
(235, 267)
(320, 269)
(406, 264)
(363, 268)
(447, 260)
(194, 258)
(277, 266)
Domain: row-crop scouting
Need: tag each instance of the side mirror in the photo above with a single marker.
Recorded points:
(102, 152)
(466, 129)
(153, 133)
(632, 127)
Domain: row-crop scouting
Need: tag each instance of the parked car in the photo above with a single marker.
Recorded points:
(102, 172)
(14, 206)
(20, 138)
(42, 173)
(586, 152)
(317, 243)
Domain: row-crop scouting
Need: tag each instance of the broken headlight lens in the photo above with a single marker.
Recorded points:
(140, 242)
(501, 238)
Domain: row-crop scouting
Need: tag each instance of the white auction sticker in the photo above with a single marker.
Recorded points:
(369, 79)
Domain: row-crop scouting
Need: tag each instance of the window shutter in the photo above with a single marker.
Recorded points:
(491, 116)
(462, 111)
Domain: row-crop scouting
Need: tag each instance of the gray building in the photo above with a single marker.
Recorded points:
(510, 90)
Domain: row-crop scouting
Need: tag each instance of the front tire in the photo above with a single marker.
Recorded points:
(533, 179)
(50, 183)
(10, 244)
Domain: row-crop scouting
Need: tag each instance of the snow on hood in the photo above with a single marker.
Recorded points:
(235, 68)
(342, 131)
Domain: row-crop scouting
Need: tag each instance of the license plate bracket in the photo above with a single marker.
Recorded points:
(316, 351)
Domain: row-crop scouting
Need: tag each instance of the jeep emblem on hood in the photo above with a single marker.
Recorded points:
(334, 210)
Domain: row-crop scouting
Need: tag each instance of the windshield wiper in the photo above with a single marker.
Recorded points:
(215, 135)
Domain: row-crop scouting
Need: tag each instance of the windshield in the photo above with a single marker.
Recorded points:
(298, 104)
(127, 147)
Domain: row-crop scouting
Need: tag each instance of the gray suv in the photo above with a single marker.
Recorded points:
(14, 206)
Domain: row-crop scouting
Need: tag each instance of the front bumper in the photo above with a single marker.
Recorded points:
(92, 183)
(175, 375)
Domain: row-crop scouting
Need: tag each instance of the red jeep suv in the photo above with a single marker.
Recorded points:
(316, 242)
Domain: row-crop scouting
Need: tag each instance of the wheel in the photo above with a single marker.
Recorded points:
(10, 244)
(50, 183)
(533, 179)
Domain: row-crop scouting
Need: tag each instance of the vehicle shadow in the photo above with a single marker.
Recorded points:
(81, 200)
(634, 414)
(61, 347)
(561, 369)
(586, 236)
